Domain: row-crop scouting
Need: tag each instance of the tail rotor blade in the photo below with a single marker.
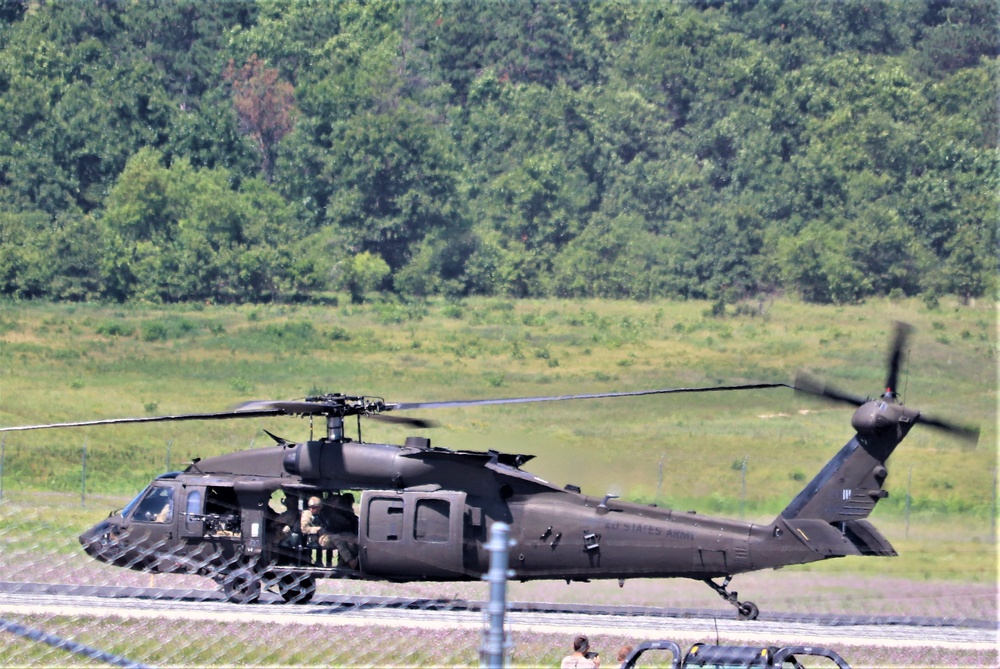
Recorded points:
(970, 435)
(902, 331)
(807, 384)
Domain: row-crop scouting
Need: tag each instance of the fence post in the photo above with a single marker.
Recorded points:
(659, 479)
(83, 475)
(3, 448)
(993, 510)
(496, 645)
(906, 507)
(743, 478)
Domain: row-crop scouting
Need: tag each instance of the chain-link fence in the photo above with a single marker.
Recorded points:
(59, 606)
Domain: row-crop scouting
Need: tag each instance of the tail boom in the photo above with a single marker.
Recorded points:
(828, 516)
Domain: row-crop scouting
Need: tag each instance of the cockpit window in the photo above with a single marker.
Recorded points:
(131, 505)
(156, 507)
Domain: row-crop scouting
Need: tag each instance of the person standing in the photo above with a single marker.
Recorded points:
(581, 657)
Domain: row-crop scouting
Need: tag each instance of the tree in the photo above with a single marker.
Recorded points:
(815, 264)
(363, 273)
(265, 106)
(712, 147)
(180, 233)
(25, 268)
(956, 34)
(393, 179)
(971, 268)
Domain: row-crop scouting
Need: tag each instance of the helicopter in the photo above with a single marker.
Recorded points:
(425, 511)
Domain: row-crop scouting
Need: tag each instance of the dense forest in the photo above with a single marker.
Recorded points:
(718, 149)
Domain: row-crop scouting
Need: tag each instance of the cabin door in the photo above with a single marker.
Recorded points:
(412, 535)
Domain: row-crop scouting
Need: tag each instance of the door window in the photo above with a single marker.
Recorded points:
(194, 503)
(430, 520)
(385, 519)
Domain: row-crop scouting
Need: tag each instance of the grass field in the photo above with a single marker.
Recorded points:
(78, 362)
(81, 362)
(62, 362)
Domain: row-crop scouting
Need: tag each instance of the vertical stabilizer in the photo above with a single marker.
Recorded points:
(848, 487)
(828, 515)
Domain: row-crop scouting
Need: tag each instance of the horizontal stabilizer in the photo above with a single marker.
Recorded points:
(822, 537)
(867, 539)
(853, 537)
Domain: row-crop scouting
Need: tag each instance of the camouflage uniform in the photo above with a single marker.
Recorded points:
(311, 522)
(283, 524)
(333, 528)
(342, 531)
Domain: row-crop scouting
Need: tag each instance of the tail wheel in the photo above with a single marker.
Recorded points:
(297, 588)
(242, 586)
(747, 611)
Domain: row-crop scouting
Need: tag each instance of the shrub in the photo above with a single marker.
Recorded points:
(338, 334)
(116, 329)
(154, 331)
(452, 311)
(242, 385)
(495, 379)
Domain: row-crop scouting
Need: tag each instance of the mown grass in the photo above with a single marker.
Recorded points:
(74, 362)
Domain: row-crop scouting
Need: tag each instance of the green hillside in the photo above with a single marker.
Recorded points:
(82, 362)
(241, 152)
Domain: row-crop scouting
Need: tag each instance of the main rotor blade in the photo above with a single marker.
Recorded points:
(404, 406)
(403, 420)
(283, 407)
(902, 331)
(151, 419)
(807, 384)
(262, 408)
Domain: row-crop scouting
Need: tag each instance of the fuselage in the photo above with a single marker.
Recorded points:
(424, 515)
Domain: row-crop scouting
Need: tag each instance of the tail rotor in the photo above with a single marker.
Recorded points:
(890, 395)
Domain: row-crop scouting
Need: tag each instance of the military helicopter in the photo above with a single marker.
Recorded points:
(425, 511)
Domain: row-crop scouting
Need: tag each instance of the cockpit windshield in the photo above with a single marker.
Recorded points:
(157, 506)
(131, 505)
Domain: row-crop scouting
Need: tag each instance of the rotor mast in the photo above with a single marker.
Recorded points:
(334, 427)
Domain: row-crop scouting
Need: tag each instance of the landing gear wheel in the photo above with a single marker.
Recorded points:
(296, 589)
(242, 586)
(744, 610)
(747, 611)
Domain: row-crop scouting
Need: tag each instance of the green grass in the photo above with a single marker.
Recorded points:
(84, 361)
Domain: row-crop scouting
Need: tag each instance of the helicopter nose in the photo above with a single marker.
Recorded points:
(97, 539)
(90, 537)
